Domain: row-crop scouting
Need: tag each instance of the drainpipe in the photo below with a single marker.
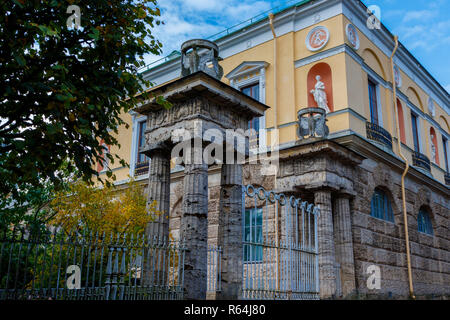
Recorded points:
(275, 109)
(275, 106)
(405, 217)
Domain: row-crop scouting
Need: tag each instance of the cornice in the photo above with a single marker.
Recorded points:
(360, 145)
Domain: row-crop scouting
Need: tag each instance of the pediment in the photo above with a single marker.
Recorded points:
(246, 67)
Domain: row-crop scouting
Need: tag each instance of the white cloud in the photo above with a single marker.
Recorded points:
(204, 5)
(187, 19)
(422, 15)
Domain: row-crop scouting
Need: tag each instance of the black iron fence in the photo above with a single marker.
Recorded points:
(420, 160)
(73, 266)
(378, 134)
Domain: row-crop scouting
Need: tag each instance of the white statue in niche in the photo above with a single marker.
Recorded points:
(320, 95)
(433, 148)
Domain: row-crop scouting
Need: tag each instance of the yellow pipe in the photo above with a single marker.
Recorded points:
(275, 104)
(275, 131)
(405, 217)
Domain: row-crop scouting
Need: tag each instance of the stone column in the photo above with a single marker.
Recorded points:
(230, 232)
(344, 244)
(159, 191)
(194, 228)
(327, 274)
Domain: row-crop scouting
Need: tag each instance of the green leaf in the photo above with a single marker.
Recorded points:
(95, 34)
(20, 60)
(19, 3)
(163, 102)
(61, 97)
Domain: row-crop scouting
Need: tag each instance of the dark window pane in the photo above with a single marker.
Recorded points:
(381, 206)
(444, 143)
(141, 141)
(424, 222)
(253, 251)
(253, 91)
(373, 102)
(415, 132)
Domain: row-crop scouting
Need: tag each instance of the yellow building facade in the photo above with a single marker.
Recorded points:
(280, 66)
(331, 54)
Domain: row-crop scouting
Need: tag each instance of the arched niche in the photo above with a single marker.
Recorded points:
(372, 60)
(323, 70)
(444, 124)
(414, 97)
(434, 141)
(401, 121)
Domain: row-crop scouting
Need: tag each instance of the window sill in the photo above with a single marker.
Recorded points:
(426, 234)
(382, 220)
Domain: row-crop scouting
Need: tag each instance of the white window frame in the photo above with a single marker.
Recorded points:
(379, 105)
(444, 149)
(136, 119)
(419, 131)
(238, 81)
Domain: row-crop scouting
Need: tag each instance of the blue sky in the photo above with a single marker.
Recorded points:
(423, 26)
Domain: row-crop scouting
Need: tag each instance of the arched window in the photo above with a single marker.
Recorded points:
(424, 222)
(381, 207)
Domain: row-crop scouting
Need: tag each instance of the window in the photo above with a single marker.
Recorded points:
(141, 158)
(253, 91)
(381, 207)
(249, 77)
(373, 102)
(253, 250)
(415, 132)
(444, 144)
(424, 222)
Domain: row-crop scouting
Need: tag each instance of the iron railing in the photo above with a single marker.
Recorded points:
(280, 244)
(378, 134)
(214, 269)
(73, 266)
(420, 160)
(447, 179)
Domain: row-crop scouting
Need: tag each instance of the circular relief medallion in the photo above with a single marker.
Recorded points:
(352, 36)
(317, 38)
(398, 77)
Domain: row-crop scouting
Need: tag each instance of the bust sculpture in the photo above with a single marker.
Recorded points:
(320, 96)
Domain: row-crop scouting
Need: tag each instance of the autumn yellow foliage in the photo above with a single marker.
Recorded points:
(105, 209)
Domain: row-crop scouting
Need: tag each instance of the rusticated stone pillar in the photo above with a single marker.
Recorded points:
(327, 274)
(230, 232)
(344, 244)
(155, 272)
(159, 191)
(194, 228)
